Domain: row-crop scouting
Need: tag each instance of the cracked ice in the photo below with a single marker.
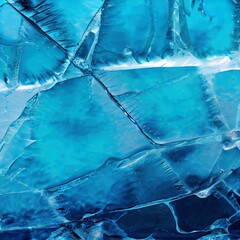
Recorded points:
(119, 119)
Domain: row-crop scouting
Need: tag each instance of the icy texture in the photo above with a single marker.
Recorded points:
(88, 117)
(119, 119)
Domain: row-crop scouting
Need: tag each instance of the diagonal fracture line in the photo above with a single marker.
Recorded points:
(70, 59)
(38, 28)
(123, 109)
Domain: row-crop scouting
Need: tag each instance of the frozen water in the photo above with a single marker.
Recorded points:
(119, 119)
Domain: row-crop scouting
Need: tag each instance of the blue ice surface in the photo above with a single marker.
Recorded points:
(88, 117)
(171, 104)
(119, 119)
(59, 19)
(207, 26)
(41, 59)
(160, 29)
